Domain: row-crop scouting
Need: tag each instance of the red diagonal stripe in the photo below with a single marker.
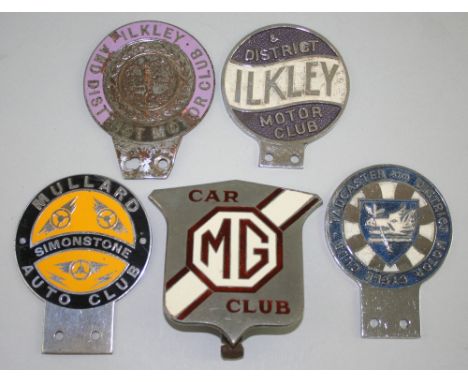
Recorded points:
(194, 304)
(177, 277)
(299, 213)
(269, 198)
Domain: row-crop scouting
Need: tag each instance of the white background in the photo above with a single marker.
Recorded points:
(407, 106)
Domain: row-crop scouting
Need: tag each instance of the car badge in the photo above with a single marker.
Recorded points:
(389, 228)
(147, 84)
(82, 243)
(284, 85)
(234, 257)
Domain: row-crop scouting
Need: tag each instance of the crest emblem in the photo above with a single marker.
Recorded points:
(389, 226)
(232, 257)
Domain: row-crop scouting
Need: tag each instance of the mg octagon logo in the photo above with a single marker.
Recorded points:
(235, 249)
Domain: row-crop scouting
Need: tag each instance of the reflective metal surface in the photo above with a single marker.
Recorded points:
(234, 258)
(83, 331)
(389, 313)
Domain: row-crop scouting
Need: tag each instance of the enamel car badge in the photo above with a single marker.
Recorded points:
(234, 257)
(285, 86)
(389, 228)
(147, 84)
(82, 244)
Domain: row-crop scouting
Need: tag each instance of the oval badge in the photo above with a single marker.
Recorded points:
(285, 85)
(83, 242)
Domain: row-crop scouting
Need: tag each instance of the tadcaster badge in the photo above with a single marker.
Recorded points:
(389, 228)
(285, 85)
(147, 84)
(234, 257)
(82, 243)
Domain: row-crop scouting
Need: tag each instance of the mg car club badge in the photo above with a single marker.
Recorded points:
(285, 85)
(389, 228)
(82, 243)
(147, 84)
(234, 257)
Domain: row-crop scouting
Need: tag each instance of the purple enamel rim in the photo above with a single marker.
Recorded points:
(188, 44)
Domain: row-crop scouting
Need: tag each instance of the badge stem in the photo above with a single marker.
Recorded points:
(231, 352)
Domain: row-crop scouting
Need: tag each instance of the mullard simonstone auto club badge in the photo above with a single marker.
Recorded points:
(234, 257)
(285, 85)
(389, 228)
(147, 84)
(82, 244)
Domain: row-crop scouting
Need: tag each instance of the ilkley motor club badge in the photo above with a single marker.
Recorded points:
(147, 84)
(285, 86)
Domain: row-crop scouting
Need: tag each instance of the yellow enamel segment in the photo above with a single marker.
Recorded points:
(81, 271)
(84, 211)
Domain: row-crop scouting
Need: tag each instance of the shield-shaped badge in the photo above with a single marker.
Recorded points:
(390, 226)
(234, 257)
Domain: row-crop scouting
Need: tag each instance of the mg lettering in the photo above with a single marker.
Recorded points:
(234, 248)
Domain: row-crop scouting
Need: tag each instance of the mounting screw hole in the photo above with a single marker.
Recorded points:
(58, 335)
(22, 240)
(404, 324)
(269, 157)
(132, 164)
(294, 159)
(163, 164)
(143, 240)
(374, 323)
(95, 335)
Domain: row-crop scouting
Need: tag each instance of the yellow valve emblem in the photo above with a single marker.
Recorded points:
(89, 270)
(84, 211)
(81, 271)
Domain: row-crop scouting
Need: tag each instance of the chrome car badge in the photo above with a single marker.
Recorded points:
(285, 85)
(389, 228)
(82, 243)
(234, 257)
(147, 84)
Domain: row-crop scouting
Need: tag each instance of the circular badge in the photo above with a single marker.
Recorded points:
(285, 83)
(84, 241)
(148, 81)
(388, 226)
